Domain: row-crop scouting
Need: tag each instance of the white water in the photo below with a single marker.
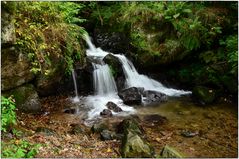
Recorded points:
(104, 84)
(134, 79)
(103, 80)
(76, 98)
(105, 87)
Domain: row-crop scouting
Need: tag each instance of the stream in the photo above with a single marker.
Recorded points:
(213, 128)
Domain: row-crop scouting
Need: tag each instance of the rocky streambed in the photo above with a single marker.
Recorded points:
(186, 129)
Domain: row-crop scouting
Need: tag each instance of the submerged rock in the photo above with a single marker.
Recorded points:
(113, 106)
(155, 119)
(154, 97)
(70, 110)
(106, 113)
(131, 96)
(169, 152)
(204, 95)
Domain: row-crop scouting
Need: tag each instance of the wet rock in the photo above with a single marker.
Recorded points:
(155, 119)
(106, 135)
(112, 106)
(115, 42)
(46, 131)
(106, 113)
(130, 124)
(154, 97)
(97, 128)
(203, 95)
(169, 152)
(110, 135)
(189, 133)
(134, 145)
(117, 70)
(70, 110)
(131, 96)
(77, 129)
(27, 99)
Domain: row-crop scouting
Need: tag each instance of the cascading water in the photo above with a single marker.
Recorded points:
(104, 84)
(105, 87)
(103, 81)
(76, 98)
(134, 79)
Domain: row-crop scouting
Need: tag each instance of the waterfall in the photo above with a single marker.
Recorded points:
(103, 80)
(76, 98)
(105, 87)
(134, 79)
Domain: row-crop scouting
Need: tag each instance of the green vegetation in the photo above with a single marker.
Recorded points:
(201, 36)
(15, 148)
(19, 149)
(47, 31)
(8, 115)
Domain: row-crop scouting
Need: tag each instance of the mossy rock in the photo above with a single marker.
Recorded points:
(27, 99)
(204, 95)
(170, 152)
(134, 146)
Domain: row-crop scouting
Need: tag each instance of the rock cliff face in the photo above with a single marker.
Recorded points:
(15, 65)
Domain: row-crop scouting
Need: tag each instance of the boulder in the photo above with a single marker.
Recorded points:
(48, 84)
(110, 135)
(131, 96)
(115, 42)
(112, 106)
(203, 95)
(169, 152)
(154, 97)
(134, 146)
(133, 143)
(15, 69)
(130, 124)
(97, 128)
(27, 99)
(8, 36)
(106, 113)
(117, 70)
(77, 129)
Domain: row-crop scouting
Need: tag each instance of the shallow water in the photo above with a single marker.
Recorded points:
(216, 127)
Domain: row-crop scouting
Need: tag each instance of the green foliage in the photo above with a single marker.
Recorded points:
(8, 115)
(46, 30)
(231, 45)
(19, 149)
(113, 71)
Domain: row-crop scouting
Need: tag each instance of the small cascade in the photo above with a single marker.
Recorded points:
(134, 79)
(105, 87)
(76, 98)
(104, 83)
(103, 80)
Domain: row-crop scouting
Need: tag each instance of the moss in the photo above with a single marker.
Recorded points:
(204, 94)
